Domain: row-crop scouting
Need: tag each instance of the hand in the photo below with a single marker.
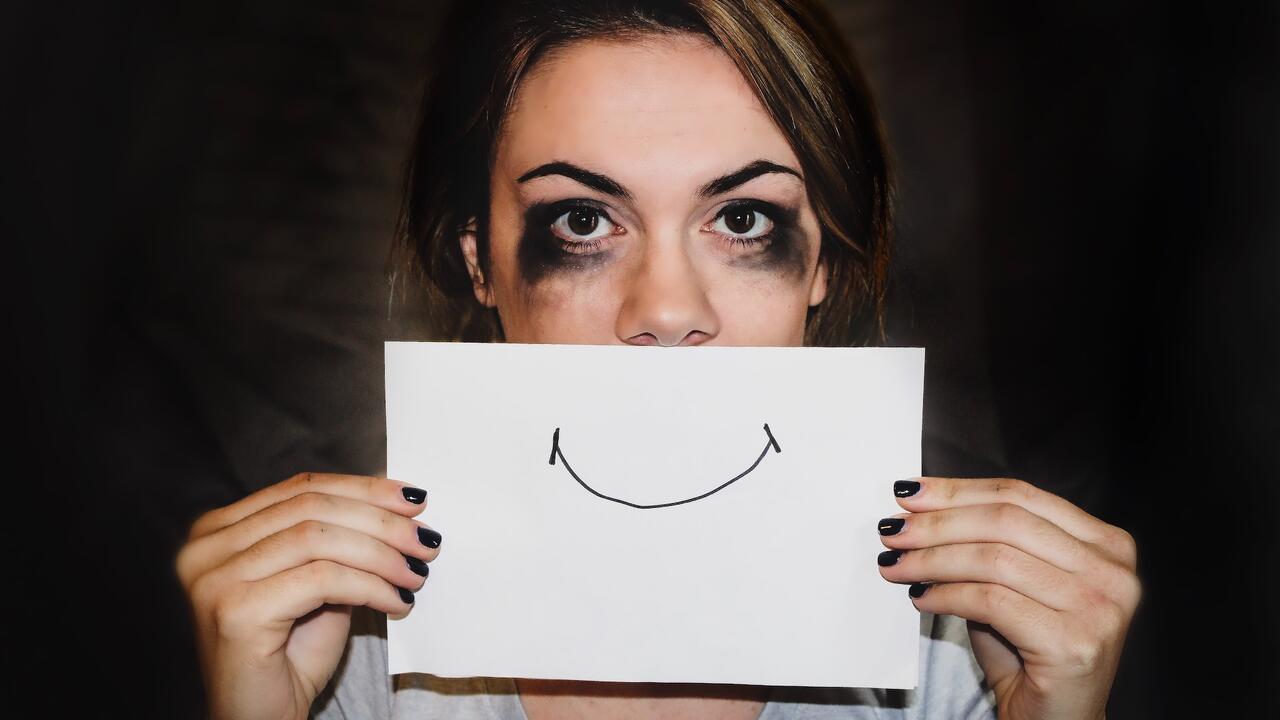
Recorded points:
(272, 580)
(1048, 589)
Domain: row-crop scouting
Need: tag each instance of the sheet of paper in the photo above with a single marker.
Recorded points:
(620, 513)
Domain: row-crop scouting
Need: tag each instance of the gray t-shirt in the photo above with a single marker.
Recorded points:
(951, 686)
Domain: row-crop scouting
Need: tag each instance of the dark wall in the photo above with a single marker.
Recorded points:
(200, 204)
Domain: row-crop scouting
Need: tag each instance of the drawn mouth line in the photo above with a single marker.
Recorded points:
(555, 450)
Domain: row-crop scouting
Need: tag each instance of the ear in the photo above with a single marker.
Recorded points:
(467, 241)
(818, 290)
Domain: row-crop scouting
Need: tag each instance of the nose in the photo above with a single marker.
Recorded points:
(666, 303)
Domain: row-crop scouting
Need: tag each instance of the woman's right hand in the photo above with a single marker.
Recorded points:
(272, 580)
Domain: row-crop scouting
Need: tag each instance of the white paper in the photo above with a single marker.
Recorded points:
(771, 580)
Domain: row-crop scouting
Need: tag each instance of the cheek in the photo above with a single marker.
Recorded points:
(763, 302)
(761, 312)
(575, 309)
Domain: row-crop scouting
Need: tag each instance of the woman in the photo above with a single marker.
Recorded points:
(652, 172)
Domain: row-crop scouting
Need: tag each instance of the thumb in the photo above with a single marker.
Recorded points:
(316, 644)
(996, 656)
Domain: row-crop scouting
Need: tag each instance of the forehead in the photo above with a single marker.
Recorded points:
(665, 111)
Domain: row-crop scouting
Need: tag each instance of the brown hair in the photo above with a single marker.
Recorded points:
(788, 51)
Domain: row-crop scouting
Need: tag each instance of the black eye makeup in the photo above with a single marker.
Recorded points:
(575, 234)
(762, 235)
(562, 236)
(752, 223)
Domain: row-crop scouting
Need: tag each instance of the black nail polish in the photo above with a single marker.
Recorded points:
(429, 537)
(888, 557)
(906, 488)
(417, 496)
(890, 526)
(406, 596)
(417, 565)
(918, 589)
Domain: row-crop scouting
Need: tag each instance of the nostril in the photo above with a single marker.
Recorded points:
(643, 339)
(696, 337)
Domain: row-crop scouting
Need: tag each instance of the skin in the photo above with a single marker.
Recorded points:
(1049, 590)
(661, 118)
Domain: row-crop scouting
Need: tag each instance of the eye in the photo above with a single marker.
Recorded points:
(582, 225)
(743, 224)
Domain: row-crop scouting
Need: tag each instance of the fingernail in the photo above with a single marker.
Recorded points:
(417, 496)
(406, 596)
(890, 526)
(888, 557)
(417, 565)
(906, 488)
(429, 537)
(918, 589)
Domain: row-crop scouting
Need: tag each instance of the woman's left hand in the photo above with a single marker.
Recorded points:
(1049, 590)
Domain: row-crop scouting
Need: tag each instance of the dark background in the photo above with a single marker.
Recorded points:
(200, 199)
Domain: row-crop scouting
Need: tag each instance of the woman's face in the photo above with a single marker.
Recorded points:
(641, 194)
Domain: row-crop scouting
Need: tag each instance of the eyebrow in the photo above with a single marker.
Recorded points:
(608, 186)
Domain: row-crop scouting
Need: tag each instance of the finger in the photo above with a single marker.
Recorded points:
(387, 494)
(312, 540)
(395, 530)
(1030, 626)
(1000, 523)
(982, 562)
(935, 493)
(277, 601)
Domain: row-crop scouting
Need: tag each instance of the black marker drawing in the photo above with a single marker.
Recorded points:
(555, 450)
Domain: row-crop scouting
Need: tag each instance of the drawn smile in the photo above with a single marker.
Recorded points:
(556, 451)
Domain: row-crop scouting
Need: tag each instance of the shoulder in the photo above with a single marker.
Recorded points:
(951, 686)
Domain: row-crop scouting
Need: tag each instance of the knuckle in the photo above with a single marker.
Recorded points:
(1092, 597)
(1011, 487)
(1123, 544)
(1076, 552)
(220, 607)
(202, 593)
(310, 531)
(1007, 514)
(1112, 582)
(952, 489)
(1084, 653)
(989, 554)
(1129, 590)
(1112, 620)
(228, 616)
(310, 504)
(184, 566)
(930, 522)
(990, 597)
(1001, 560)
(323, 572)
(1026, 490)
